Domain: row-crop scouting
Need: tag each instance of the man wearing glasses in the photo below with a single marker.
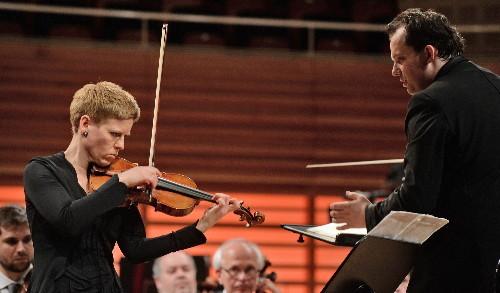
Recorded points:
(238, 263)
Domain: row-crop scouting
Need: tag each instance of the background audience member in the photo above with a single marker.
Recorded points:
(175, 273)
(238, 263)
(16, 249)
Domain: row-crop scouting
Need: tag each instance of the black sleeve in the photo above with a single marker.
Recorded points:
(428, 133)
(137, 248)
(69, 216)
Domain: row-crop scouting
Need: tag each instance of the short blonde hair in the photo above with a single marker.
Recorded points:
(103, 100)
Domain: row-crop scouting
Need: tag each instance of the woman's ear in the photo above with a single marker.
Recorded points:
(84, 123)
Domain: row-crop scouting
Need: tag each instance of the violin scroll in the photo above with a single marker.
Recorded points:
(246, 215)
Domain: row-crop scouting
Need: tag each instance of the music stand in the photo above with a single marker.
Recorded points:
(374, 265)
(381, 259)
(342, 239)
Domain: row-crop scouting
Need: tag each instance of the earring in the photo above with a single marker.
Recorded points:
(85, 133)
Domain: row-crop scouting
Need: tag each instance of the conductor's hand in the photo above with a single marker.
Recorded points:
(225, 205)
(351, 212)
(141, 175)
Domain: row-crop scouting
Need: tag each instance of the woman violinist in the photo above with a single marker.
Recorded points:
(74, 229)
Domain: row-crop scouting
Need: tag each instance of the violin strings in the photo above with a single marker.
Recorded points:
(186, 190)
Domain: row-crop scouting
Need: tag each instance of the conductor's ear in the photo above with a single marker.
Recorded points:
(431, 53)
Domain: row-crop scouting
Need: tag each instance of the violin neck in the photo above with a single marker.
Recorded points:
(184, 190)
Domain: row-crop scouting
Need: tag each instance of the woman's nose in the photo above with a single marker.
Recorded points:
(120, 144)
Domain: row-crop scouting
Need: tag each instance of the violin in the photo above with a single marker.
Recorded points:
(175, 194)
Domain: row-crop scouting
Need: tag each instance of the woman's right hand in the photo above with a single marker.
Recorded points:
(140, 175)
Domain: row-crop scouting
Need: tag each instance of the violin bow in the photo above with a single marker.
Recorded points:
(164, 30)
(151, 163)
(358, 163)
(243, 212)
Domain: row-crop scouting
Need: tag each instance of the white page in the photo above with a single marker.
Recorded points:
(408, 227)
(331, 230)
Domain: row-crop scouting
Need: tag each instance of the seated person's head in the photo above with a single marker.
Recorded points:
(238, 263)
(175, 273)
(16, 247)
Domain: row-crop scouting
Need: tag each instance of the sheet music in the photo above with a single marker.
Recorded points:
(331, 230)
(408, 227)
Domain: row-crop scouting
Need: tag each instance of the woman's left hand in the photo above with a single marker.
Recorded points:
(225, 205)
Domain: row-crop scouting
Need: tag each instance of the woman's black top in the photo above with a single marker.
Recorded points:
(74, 233)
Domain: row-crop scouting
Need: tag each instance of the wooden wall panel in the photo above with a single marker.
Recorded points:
(231, 120)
